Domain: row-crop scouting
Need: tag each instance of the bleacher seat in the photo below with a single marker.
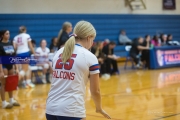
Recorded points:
(120, 51)
(46, 26)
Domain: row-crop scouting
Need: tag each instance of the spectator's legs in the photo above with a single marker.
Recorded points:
(102, 68)
(114, 64)
(146, 58)
(135, 59)
(108, 65)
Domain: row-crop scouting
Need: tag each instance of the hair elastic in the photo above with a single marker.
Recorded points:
(73, 35)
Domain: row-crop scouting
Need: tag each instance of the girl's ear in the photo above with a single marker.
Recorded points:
(88, 37)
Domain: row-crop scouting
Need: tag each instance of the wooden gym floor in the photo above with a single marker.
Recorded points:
(132, 95)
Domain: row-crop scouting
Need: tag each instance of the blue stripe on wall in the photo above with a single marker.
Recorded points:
(107, 25)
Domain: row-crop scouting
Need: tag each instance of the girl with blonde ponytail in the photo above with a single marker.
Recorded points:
(72, 65)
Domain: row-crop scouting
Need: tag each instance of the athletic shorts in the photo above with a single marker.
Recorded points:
(53, 117)
(26, 54)
(7, 66)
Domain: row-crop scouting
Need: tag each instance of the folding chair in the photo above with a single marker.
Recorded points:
(128, 58)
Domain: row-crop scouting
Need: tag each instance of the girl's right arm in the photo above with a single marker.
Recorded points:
(96, 95)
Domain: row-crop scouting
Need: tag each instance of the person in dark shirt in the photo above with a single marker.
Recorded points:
(6, 49)
(169, 37)
(145, 57)
(136, 50)
(97, 51)
(108, 50)
(170, 40)
(33, 42)
(53, 46)
(63, 35)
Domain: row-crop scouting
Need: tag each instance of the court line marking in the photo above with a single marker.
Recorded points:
(167, 116)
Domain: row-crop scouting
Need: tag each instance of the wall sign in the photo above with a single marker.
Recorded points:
(169, 4)
(162, 57)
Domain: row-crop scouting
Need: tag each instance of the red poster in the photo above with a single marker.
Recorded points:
(169, 4)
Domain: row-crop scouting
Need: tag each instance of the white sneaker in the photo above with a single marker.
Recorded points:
(138, 66)
(44, 81)
(105, 76)
(31, 85)
(7, 105)
(14, 103)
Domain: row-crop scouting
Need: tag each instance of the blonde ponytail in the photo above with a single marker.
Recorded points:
(68, 49)
(59, 35)
(82, 30)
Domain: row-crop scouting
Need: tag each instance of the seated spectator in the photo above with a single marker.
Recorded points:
(106, 41)
(145, 53)
(163, 40)
(97, 51)
(169, 37)
(43, 60)
(155, 41)
(170, 40)
(53, 46)
(108, 50)
(147, 40)
(136, 50)
(123, 39)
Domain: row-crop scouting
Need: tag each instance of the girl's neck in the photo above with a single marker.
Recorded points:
(54, 44)
(43, 48)
(4, 41)
(81, 43)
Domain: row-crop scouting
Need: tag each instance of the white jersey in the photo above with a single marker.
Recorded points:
(21, 41)
(43, 54)
(67, 93)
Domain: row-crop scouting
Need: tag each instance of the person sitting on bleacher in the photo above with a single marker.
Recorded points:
(136, 51)
(53, 46)
(155, 41)
(106, 41)
(163, 40)
(123, 39)
(97, 51)
(43, 60)
(145, 53)
(170, 40)
(108, 50)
